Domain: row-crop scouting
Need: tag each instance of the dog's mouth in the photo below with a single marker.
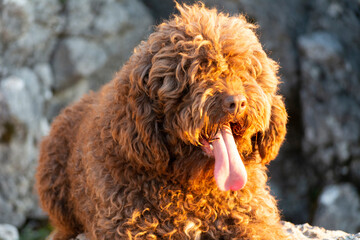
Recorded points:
(229, 171)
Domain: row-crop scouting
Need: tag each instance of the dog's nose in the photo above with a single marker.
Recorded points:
(234, 104)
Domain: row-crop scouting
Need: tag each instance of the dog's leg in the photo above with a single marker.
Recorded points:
(53, 184)
(264, 215)
(104, 228)
(52, 177)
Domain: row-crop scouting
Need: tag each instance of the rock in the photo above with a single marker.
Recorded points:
(131, 29)
(81, 237)
(306, 231)
(80, 16)
(14, 20)
(106, 23)
(45, 75)
(8, 232)
(329, 57)
(44, 72)
(339, 208)
(17, 98)
(74, 59)
(52, 52)
(321, 46)
(298, 232)
(47, 14)
(26, 38)
(22, 92)
(160, 11)
(22, 127)
(355, 171)
(64, 98)
(114, 28)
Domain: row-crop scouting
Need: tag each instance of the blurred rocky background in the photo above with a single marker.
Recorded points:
(53, 51)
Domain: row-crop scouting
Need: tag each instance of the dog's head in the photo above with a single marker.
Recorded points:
(202, 83)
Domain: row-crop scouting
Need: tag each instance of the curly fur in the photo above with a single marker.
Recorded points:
(126, 162)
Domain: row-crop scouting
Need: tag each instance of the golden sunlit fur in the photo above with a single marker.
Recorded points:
(127, 162)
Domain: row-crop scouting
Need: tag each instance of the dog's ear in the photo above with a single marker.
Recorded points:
(270, 140)
(137, 126)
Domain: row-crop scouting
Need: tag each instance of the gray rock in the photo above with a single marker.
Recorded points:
(63, 98)
(45, 75)
(298, 232)
(339, 208)
(18, 98)
(22, 127)
(306, 231)
(161, 10)
(8, 232)
(74, 59)
(330, 105)
(26, 40)
(80, 16)
(50, 51)
(119, 46)
(44, 72)
(355, 171)
(330, 109)
(101, 18)
(321, 46)
(14, 20)
(81, 237)
(106, 22)
(47, 14)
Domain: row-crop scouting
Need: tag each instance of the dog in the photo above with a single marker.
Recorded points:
(176, 145)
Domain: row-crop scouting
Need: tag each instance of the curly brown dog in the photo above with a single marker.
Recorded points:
(175, 146)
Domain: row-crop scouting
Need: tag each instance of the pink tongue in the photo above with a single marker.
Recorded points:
(230, 173)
